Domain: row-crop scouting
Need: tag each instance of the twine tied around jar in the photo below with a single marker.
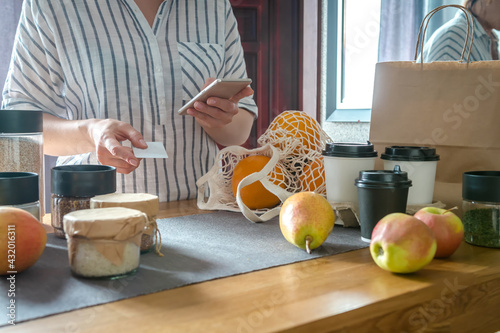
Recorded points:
(152, 223)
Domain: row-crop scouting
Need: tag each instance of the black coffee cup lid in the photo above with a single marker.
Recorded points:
(481, 186)
(383, 178)
(17, 188)
(86, 180)
(21, 121)
(349, 149)
(409, 153)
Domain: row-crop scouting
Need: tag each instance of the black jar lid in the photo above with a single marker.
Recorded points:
(383, 179)
(21, 121)
(481, 186)
(86, 180)
(349, 149)
(410, 153)
(17, 188)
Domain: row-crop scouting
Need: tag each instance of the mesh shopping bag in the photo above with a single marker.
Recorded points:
(293, 142)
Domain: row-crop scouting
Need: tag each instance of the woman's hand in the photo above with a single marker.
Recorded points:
(104, 136)
(217, 112)
(107, 135)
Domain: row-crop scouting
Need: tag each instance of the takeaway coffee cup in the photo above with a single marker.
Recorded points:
(380, 192)
(420, 163)
(343, 162)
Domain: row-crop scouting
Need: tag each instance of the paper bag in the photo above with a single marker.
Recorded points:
(452, 106)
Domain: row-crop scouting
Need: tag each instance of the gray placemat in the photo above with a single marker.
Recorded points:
(197, 248)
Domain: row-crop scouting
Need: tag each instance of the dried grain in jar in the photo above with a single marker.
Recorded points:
(146, 203)
(74, 185)
(21, 144)
(104, 242)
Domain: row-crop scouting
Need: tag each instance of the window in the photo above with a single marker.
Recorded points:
(352, 36)
(356, 34)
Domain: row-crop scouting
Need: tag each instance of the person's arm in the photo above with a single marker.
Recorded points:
(71, 137)
(36, 82)
(234, 133)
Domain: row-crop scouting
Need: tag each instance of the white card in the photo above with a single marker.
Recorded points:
(154, 150)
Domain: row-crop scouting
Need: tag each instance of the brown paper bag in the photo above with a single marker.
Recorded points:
(452, 106)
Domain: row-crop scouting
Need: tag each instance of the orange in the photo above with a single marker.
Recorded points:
(312, 176)
(296, 124)
(255, 195)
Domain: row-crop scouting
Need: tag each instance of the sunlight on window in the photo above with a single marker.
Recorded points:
(359, 37)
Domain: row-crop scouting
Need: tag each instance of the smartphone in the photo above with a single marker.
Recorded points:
(223, 88)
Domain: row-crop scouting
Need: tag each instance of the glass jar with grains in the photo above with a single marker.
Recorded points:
(21, 144)
(481, 207)
(146, 203)
(20, 190)
(104, 242)
(74, 185)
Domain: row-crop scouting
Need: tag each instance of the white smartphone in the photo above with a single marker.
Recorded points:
(223, 88)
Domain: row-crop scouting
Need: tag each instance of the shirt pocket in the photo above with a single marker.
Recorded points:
(199, 61)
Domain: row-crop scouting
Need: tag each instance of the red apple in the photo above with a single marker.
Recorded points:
(402, 243)
(447, 227)
(22, 240)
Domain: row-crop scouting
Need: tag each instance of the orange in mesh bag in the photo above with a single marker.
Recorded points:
(298, 136)
(295, 132)
(293, 143)
(255, 195)
(312, 176)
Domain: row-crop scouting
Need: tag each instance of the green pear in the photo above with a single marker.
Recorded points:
(306, 220)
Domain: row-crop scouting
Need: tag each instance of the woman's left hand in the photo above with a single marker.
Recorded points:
(217, 112)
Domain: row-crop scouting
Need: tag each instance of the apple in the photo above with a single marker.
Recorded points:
(447, 227)
(401, 243)
(306, 219)
(22, 240)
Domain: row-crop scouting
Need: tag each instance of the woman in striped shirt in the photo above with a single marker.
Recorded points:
(107, 72)
(448, 41)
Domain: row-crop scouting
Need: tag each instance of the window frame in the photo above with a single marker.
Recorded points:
(334, 40)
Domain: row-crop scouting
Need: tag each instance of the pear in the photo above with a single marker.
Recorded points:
(306, 220)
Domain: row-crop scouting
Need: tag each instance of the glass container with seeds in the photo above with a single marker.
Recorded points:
(21, 144)
(73, 186)
(144, 202)
(20, 190)
(481, 206)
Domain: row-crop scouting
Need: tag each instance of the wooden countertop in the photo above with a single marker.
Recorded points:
(340, 293)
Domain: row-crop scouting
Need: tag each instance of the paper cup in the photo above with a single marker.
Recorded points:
(380, 192)
(343, 162)
(420, 163)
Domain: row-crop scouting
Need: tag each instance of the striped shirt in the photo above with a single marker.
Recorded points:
(448, 42)
(80, 59)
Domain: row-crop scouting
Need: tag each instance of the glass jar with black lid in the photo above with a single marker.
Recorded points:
(20, 190)
(481, 208)
(21, 144)
(73, 186)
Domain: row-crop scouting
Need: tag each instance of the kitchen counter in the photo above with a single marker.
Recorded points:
(340, 293)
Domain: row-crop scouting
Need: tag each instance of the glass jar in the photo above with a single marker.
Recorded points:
(146, 203)
(104, 242)
(21, 144)
(481, 207)
(20, 190)
(72, 187)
